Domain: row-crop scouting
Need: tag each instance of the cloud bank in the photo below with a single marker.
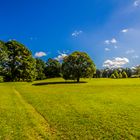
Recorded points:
(116, 62)
(61, 56)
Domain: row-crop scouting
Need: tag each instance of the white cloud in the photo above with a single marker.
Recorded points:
(124, 30)
(107, 49)
(136, 3)
(61, 56)
(107, 42)
(116, 62)
(112, 41)
(76, 33)
(130, 51)
(40, 54)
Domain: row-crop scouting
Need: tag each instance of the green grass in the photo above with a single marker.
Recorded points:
(99, 109)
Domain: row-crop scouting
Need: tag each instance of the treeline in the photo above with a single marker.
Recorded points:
(118, 73)
(18, 64)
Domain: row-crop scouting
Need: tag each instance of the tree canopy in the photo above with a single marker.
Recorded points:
(52, 68)
(3, 58)
(40, 67)
(19, 64)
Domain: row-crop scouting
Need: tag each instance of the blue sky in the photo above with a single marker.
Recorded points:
(109, 31)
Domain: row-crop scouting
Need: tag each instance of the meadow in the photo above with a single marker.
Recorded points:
(100, 109)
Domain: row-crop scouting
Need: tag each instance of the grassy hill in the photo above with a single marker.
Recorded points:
(53, 109)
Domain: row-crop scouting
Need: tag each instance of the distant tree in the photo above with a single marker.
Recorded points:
(137, 69)
(116, 74)
(105, 73)
(112, 76)
(77, 65)
(98, 74)
(21, 65)
(124, 75)
(120, 75)
(40, 69)
(129, 72)
(53, 68)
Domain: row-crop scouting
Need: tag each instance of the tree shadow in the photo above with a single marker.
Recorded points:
(57, 83)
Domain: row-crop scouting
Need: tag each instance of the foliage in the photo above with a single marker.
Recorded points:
(105, 73)
(135, 76)
(116, 74)
(120, 75)
(128, 71)
(1, 79)
(40, 67)
(113, 76)
(98, 74)
(124, 75)
(52, 68)
(3, 58)
(77, 65)
(137, 69)
(21, 65)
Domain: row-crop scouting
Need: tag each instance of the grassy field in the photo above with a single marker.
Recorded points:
(105, 109)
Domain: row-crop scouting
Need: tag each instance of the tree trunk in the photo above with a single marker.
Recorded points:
(78, 79)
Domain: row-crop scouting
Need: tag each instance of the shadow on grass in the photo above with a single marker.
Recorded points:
(55, 83)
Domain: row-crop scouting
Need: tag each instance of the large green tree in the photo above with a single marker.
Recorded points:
(52, 68)
(78, 65)
(21, 65)
(3, 58)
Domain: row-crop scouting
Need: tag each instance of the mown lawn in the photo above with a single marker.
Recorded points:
(52, 109)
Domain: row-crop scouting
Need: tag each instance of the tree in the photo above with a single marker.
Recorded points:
(124, 75)
(128, 72)
(53, 68)
(3, 58)
(21, 65)
(120, 75)
(40, 68)
(116, 74)
(77, 65)
(137, 70)
(98, 74)
(107, 73)
(112, 76)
